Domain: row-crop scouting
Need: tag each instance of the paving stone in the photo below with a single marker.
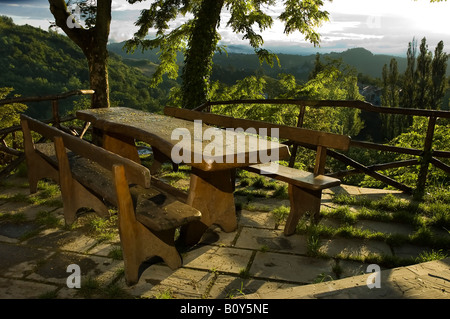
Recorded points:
(410, 251)
(54, 238)
(386, 228)
(351, 268)
(290, 268)
(103, 249)
(18, 261)
(257, 219)
(17, 230)
(79, 244)
(222, 259)
(230, 287)
(54, 269)
(13, 207)
(272, 240)
(20, 289)
(181, 283)
(354, 247)
(9, 240)
(429, 280)
(215, 236)
(268, 204)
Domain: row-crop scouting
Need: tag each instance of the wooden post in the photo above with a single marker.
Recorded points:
(425, 160)
(301, 117)
(55, 113)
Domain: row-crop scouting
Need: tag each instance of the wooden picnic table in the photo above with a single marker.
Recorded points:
(211, 184)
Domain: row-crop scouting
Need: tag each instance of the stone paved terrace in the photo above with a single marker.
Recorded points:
(255, 261)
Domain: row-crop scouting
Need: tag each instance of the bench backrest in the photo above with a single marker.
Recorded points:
(295, 134)
(135, 173)
(316, 139)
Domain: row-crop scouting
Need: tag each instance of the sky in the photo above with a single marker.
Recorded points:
(380, 26)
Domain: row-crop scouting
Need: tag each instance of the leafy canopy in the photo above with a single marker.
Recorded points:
(246, 17)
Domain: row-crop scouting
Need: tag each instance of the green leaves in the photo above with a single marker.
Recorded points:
(304, 16)
(198, 37)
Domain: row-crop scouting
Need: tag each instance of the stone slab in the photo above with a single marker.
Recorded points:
(215, 236)
(271, 240)
(229, 287)
(386, 228)
(290, 268)
(354, 247)
(429, 280)
(256, 219)
(222, 259)
(159, 279)
(18, 261)
(54, 269)
(21, 289)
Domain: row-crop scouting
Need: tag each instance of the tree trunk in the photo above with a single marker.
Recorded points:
(93, 42)
(198, 60)
(98, 75)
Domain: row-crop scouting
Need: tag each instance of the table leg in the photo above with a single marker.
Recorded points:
(122, 145)
(212, 194)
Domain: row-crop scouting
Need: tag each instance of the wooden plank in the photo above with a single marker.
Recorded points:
(362, 105)
(160, 212)
(387, 148)
(138, 242)
(230, 149)
(369, 172)
(46, 97)
(136, 173)
(295, 134)
(440, 165)
(296, 177)
(376, 167)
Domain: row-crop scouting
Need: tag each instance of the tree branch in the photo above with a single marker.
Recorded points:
(59, 10)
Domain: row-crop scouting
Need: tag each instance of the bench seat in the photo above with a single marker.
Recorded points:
(296, 177)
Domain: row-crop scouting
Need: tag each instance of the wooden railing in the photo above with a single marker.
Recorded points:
(427, 155)
(56, 120)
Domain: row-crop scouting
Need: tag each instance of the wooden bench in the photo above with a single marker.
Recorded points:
(89, 176)
(305, 188)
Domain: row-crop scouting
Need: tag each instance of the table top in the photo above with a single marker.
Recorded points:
(196, 144)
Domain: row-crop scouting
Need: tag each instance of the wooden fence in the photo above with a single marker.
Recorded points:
(426, 156)
(56, 120)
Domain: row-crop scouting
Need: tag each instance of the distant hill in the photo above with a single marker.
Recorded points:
(240, 62)
(36, 62)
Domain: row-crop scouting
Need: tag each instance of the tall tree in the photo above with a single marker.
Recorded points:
(423, 76)
(92, 40)
(199, 35)
(393, 124)
(438, 71)
(409, 79)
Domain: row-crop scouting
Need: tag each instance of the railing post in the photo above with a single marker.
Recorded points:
(55, 113)
(300, 120)
(425, 160)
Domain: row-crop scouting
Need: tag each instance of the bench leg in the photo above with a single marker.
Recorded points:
(74, 195)
(138, 242)
(38, 169)
(212, 194)
(302, 201)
